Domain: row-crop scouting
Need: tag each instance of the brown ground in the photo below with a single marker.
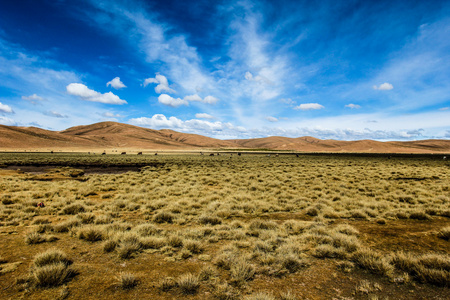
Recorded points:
(116, 137)
(321, 280)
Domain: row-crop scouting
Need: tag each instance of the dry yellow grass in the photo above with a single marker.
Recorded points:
(230, 227)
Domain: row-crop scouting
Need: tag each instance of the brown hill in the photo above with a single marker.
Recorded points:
(104, 135)
(310, 144)
(112, 135)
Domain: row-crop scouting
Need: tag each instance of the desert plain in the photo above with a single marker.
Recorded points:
(221, 221)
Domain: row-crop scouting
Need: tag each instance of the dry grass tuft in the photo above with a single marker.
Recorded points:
(127, 281)
(188, 284)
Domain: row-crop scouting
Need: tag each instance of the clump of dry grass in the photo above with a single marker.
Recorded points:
(188, 284)
(127, 281)
(73, 209)
(373, 262)
(37, 238)
(163, 217)
(51, 268)
(260, 296)
(91, 233)
(444, 233)
(431, 268)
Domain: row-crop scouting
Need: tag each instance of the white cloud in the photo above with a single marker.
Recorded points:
(271, 119)
(170, 101)
(197, 98)
(163, 84)
(309, 106)
(203, 116)
(5, 108)
(160, 121)
(55, 114)
(352, 106)
(116, 83)
(111, 115)
(193, 98)
(383, 87)
(33, 98)
(444, 108)
(82, 91)
(210, 100)
(7, 121)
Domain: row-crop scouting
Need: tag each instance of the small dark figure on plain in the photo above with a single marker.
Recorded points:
(123, 153)
(156, 153)
(104, 153)
(139, 153)
(51, 152)
(239, 153)
(211, 154)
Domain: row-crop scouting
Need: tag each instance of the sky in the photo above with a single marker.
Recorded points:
(344, 70)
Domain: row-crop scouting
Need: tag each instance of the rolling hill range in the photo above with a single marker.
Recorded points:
(112, 135)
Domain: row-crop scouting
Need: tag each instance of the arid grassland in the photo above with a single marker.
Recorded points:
(224, 227)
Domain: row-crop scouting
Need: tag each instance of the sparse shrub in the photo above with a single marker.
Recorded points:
(260, 296)
(373, 262)
(51, 275)
(163, 217)
(91, 233)
(152, 242)
(34, 238)
(167, 283)
(241, 271)
(147, 230)
(292, 263)
(288, 296)
(86, 218)
(51, 268)
(188, 284)
(211, 220)
(264, 225)
(419, 216)
(109, 246)
(206, 273)
(312, 211)
(127, 281)
(175, 241)
(66, 226)
(73, 209)
(52, 256)
(193, 246)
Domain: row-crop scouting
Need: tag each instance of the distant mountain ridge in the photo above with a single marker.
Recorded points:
(113, 135)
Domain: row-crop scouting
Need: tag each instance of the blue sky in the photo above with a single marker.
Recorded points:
(345, 70)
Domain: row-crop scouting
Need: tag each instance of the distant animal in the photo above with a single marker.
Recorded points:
(156, 153)
(103, 153)
(211, 154)
(139, 153)
(123, 153)
(268, 155)
(444, 158)
(51, 152)
(296, 155)
(239, 153)
(201, 153)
